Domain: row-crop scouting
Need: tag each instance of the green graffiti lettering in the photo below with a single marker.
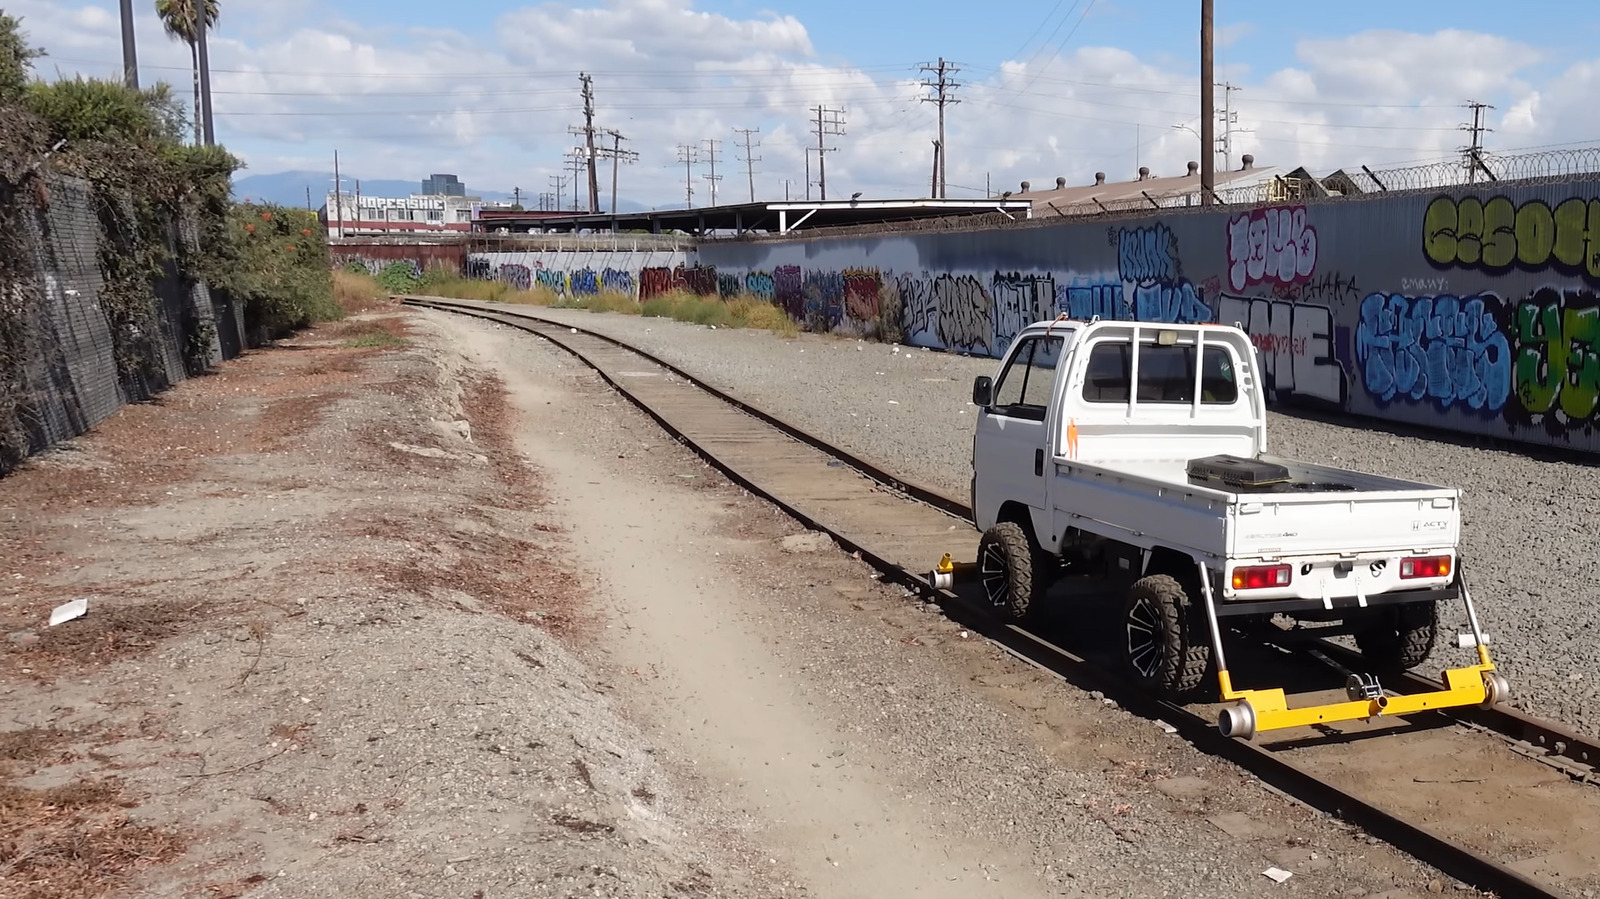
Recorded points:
(1591, 237)
(1469, 231)
(1495, 234)
(1580, 390)
(1500, 233)
(1439, 231)
(1536, 233)
(1539, 371)
(1571, 220)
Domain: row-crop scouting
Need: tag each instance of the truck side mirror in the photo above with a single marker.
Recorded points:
(983, 391)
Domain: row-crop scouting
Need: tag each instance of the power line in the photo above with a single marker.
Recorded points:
(830, 121)
(943, 88)
(750, 161)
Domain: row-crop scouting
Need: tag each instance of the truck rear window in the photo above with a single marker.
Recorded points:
(1166, 375)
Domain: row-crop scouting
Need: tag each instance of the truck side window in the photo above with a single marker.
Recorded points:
(1166, 375)
(1028, 380)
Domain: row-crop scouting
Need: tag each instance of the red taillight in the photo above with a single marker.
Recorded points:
(1259, 577)
(1424, 566)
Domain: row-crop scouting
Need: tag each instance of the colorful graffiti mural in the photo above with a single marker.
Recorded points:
(1490, 323)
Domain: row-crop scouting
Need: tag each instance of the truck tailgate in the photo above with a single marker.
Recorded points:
(1346, 523)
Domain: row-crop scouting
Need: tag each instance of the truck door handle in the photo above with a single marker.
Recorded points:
(1038, 462)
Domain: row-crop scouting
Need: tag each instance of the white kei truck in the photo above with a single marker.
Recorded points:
(1135, 454)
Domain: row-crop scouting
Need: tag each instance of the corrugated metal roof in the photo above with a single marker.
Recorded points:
(1166, 191)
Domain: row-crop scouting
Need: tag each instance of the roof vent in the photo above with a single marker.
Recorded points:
(1249, 162)
(1194, 167)
(1060, 182)
(1144, 172)
(1099, 177)
(1025, 186)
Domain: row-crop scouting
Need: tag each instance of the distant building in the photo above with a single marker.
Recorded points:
(443, 186)
(355, 215)
(1146, 192)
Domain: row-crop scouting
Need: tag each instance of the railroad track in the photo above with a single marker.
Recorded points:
(1354, 772)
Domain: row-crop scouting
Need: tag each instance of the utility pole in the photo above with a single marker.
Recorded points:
(1229, 120)
(549, 202)
(617, 155)
(308, 198)
(204, 61)
(750, 161)
(934, 184)
(786, 189)
(516, 196)
(943, 88)
(130, 53)
(829, 122)
(338, 197)
(711, 157)
(1208, 104)
(588, 135)
(575, 162)
(1473, 159)
(559, 182)
(808, 171)
(686, 155)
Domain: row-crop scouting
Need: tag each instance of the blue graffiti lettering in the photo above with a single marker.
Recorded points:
(552, 280)
(1147, 254)
(1090, 300)
(585, 282)
(1177, 303)
(759, 284)
(1448, 348)
(616, 281)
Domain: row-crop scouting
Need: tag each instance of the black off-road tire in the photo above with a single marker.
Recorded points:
(1166, 644)
(1007, 570)
(1400, 637)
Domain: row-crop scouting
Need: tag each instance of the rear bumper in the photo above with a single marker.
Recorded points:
(1235, 607)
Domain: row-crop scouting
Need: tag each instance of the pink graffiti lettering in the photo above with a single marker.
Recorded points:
(1272, 246)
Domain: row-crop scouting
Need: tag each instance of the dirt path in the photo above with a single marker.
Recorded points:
(721, 691)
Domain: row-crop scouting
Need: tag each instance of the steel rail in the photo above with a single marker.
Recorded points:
(1274, 770)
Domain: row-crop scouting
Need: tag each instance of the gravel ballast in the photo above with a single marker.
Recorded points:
(1526, 520)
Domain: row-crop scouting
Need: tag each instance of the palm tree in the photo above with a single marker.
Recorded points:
(178, 20)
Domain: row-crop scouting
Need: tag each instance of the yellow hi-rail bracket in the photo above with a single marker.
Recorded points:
(1253, 711)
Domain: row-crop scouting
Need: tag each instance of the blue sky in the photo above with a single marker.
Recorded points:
(404, 87)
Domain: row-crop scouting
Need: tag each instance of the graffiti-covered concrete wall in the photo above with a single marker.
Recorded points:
(1477, 311)
(580, 272)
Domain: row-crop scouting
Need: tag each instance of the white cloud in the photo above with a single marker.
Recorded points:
(292, 82)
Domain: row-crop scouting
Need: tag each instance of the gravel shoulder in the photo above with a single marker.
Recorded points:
(1528, 527)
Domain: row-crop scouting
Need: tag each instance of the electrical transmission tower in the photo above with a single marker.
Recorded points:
(750, 161)
(711, 158)
(942, 87)
(687, 156)
(1473, 153)
(829, 122)
(1229, 120)
(587, 132)
(617, 155)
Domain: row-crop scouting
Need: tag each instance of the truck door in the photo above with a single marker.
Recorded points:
(1011, 451)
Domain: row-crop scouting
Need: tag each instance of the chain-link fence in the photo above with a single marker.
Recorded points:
(65, 373)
